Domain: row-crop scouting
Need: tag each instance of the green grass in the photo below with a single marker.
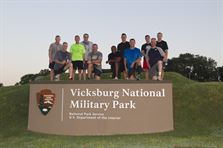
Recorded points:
(198, 119)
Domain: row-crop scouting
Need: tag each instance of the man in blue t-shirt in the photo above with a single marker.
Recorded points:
(132, 61)
(154, 57)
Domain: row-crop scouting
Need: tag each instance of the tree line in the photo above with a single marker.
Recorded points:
(196, 67)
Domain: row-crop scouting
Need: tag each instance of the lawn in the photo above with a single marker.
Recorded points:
(198, 121)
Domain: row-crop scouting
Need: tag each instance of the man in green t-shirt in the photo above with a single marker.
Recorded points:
(77, 51)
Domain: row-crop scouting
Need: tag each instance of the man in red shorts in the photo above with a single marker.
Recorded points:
(144, 48)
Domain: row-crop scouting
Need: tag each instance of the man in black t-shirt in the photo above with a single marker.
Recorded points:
(144, 48)
(163, 45)
(121, 48)
(114, 59)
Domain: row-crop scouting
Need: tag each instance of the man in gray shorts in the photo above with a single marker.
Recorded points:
(154, 57)
(63, 62)
(54, 47)
(88, 48)
(94, 63)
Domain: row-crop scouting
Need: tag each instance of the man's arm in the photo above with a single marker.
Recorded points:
(84, 52)
(84, 57)
(60, 62)
(166, 52)
(125, 63)
(98, 61)
(162, 53)
(165, 56)
(136, 61)
(50, 54)
(147, 56)
(147, 60)
(57, 59)
(110, 60)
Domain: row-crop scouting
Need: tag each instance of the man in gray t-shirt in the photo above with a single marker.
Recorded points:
(88, 48)
(54, 47)
(94, 62)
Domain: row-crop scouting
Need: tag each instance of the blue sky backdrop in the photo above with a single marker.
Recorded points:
(27, 27)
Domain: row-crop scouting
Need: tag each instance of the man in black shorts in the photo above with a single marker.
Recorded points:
(163, 45)
(78, 54)
(121, 48)
(54, 47)
(114, 59)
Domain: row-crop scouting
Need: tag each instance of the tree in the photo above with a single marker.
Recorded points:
(1, 85)
(31, 77)
(27, 78)
(220, 73)
(195, 67)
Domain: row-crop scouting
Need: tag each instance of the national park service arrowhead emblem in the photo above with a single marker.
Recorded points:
(45, 100)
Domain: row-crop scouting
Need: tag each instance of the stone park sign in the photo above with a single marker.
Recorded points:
(100, 107)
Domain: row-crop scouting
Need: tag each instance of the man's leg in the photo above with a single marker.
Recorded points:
(74, 74)
(85, 67)
(146, 68)
(97, 77)
(69, 66)
(162, 74)
(71, 71)
(57, 73)
(160, 69)
(154, 77)
(164, 66)
(153, 71)
(117, 70)
(125, 74)
(79, 74)
(122, 69)
(51, 66)
(130, 74)
(89, 70)
(97, 73)
(74, 63)
(138, 70)
(84, 74)
(146, 74)
(113, 70)
(51, 74)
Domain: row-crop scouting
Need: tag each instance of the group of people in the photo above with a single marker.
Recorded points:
(126, 58)
(83, 57)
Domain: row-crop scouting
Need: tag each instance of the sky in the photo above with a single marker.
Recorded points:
(28, 27)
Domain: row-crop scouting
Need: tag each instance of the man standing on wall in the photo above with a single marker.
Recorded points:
(54, 47)
(121, 48)
(77, 51)
(163, 45)
(88, 48)
(144, 48)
